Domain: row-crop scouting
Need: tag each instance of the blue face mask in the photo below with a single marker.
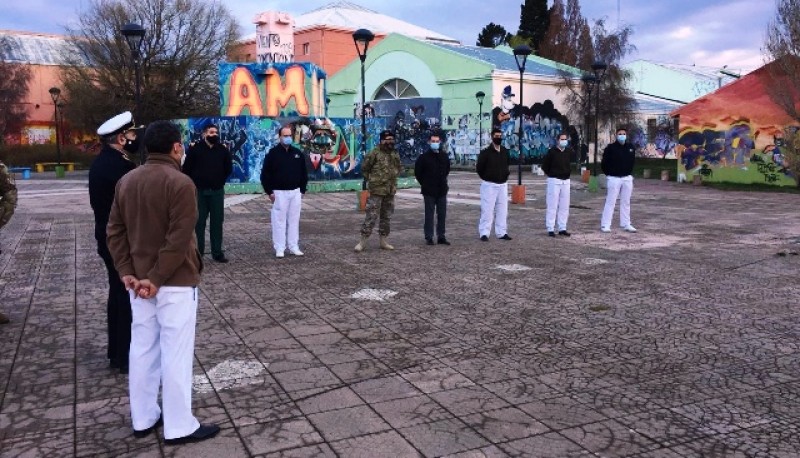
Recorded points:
(286, 140)
(563, 143)
(435, 146)
(621, 138)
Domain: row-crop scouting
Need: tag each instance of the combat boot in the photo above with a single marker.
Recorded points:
(3, 319)
(385, 245)
(362, 245)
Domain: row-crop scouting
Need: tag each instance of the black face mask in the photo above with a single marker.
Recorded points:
(131, 146)
(213, 139)
(497, 141)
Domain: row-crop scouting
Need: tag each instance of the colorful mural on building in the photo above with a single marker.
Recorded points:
(331, 145)
(736, 134)
(272, 89)
(656, 139)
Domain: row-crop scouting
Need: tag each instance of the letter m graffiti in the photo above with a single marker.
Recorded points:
(280, 91)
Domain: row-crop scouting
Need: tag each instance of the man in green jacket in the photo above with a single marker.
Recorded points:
(381, 168)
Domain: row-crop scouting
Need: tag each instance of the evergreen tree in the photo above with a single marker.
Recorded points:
(534, 19)
(492, 36)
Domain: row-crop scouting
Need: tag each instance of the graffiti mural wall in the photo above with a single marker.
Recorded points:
(331, 146)
(654, 137)
(736, 133)
(272, 89)
(736, 152)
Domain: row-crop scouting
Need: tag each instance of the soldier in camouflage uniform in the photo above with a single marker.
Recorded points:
(381, 168)
(8, 203)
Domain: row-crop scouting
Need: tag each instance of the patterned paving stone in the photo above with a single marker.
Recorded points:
(680, 340)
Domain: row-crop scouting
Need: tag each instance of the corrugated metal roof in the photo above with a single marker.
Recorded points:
(350, 16)
(654, 105)
(503, 60)
(33, 48)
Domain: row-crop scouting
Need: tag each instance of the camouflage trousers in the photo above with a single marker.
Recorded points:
(378, 206)
(7, 206)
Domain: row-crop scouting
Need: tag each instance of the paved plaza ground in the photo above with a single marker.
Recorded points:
(682, 340)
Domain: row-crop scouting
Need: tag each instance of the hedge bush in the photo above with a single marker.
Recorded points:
(28, 155)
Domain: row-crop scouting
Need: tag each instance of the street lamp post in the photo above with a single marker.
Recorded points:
(599, 69)
(134, 35)
(589, 81)
(521, 54)
(362, 38)
(479, 96)
(55, 94)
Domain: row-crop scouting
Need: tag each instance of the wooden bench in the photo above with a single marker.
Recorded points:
(70, 166)
(25, 171)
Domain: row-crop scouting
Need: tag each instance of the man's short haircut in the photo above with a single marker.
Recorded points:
(209, 126)
(619, 129)
(160, 136)
(386, 133)
(563, 134)
(496, 131)
(287, 126)
(435, 133)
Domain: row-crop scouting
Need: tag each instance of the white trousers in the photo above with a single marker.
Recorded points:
(162, 353)
(557, 204)
(286, 219)
(621, 187)
(494, 206)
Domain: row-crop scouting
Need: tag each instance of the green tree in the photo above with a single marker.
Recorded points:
(492, 36)
(14, 85)
(184, 41)
(534, 19)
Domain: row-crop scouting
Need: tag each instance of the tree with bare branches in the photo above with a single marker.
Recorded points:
(183, 43)
(782, 46)
(13, 91)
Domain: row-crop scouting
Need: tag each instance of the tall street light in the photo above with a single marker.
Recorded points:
(599, 68)
(589, 81)
(521, 54)
(55, 94)
(479, 96)
(134, 35)
(362, 38)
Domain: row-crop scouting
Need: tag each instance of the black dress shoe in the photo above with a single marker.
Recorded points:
(484, 238)
(564, 233)
(141, 433)
(443, 241)
(200, 434)
(505, 237)
(221, 258)
(551, 234)
(429, 241)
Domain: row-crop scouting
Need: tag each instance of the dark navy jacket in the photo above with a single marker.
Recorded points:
(284, 170)
(106, 170)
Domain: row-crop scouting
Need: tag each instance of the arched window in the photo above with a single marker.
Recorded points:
(396, 88)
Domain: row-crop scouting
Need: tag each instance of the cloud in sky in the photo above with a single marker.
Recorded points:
(707, 32)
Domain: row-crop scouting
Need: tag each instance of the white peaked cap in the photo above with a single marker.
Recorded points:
(118, 123)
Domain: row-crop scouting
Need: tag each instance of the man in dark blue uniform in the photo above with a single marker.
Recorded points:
(119, 139)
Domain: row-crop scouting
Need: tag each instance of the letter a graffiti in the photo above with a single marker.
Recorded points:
(244, 93)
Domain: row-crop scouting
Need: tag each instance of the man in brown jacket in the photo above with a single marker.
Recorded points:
(151, 237)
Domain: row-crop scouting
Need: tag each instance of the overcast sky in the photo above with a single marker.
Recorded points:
(710, 33)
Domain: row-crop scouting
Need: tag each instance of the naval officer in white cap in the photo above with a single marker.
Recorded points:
(119, 139)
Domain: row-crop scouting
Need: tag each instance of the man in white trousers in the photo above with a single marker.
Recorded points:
(492, 168)
(151, 237)
(617, 163)
(556, 165)
(284, 177)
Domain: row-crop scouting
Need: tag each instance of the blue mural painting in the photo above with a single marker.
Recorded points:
(331, 146)
(542, 123)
